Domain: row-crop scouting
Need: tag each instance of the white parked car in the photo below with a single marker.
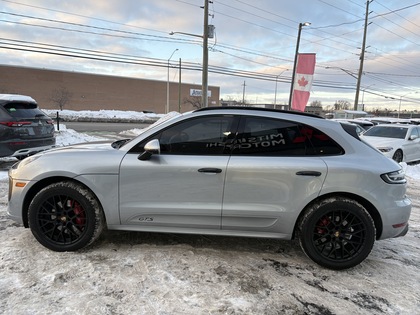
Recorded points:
(399, 142)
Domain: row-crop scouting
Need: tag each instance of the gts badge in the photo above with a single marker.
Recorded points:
(146, 219)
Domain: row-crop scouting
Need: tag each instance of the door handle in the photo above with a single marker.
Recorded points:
(210, 170)
(309, 173)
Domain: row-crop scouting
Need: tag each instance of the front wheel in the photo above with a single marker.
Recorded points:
(398, 156)
(337, 233)
(65, 216)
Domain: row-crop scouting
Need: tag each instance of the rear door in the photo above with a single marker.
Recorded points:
(274, 171)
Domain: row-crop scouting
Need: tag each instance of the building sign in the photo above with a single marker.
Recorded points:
(194, 92)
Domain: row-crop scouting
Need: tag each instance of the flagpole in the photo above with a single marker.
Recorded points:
(295, 63)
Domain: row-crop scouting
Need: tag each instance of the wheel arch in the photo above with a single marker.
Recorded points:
(403, 157)
(44, 183)
(371, 209)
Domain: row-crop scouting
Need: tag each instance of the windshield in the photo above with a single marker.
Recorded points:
(387, 132)
(121, 143)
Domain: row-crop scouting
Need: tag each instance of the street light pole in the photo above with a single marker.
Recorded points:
(167, 84)
(275, 91)
(295, 62)
(204, 86)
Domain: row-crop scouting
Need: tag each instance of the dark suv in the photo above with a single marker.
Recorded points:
(24, 128)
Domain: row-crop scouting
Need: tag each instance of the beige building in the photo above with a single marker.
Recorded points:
(96, 92)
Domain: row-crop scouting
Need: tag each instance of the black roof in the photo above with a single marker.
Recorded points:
(258, 109)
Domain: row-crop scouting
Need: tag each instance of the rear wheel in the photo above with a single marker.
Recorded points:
(65, 216)
(398, 156)
(337, 233)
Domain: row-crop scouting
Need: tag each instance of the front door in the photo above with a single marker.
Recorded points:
(182, 187)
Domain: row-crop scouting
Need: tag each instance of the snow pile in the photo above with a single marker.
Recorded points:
(103, 115)
(412, 171)
(66, 136)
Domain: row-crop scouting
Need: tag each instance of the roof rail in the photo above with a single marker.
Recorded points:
(258, 109)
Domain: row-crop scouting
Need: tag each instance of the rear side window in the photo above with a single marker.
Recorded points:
(24, 110)
(274, 137)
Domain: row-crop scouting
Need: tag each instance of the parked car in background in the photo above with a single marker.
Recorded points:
(359, 127)
(232, 171)
(24, 128)
(399, 142)
(366, 124)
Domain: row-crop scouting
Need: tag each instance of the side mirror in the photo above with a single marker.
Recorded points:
(150, 148)
(413, 137)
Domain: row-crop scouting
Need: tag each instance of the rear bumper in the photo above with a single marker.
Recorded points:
(403, 232)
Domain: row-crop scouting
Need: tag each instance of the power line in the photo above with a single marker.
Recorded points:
(219, 48)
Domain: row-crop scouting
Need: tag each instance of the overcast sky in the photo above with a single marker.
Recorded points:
(254, 44)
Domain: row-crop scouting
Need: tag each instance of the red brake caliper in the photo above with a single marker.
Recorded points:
(323, 222)
(79, 212)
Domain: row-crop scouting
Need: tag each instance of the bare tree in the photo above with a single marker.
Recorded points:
(194, 101)
(61, 97)
(341, 105)
(316, 103)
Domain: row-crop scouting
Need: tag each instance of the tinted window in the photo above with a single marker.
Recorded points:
(274, 137)
(387, 132)
(414, 132)
(199, 136)
(24, 110)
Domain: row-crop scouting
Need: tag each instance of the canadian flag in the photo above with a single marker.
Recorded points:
(303, 81)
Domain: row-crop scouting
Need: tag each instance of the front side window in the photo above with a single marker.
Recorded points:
(275, 137)
(198, 136)
(414, 132)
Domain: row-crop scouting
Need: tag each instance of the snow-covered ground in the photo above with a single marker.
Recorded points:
(144, 273)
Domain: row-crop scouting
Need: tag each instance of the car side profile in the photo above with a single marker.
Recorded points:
(24, 128)
(401, 142)
(219, 171)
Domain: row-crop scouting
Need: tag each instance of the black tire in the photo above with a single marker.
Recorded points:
(65, 216)
(337, 233)
(398, 156)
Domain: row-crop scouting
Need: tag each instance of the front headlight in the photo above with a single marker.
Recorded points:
(397, 177)
(27, 160)
(385, 149)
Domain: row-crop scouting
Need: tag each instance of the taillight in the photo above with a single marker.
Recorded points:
(15, 123)
(397, 177)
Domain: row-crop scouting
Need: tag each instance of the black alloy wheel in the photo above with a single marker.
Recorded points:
(65, 216)
(337, 233)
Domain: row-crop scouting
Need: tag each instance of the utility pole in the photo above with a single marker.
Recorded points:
(179, 87)
(243, 94)
(292, 84)
(362, 57)
(204, 86)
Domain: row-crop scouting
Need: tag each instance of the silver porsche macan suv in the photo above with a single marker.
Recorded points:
(220, 171)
